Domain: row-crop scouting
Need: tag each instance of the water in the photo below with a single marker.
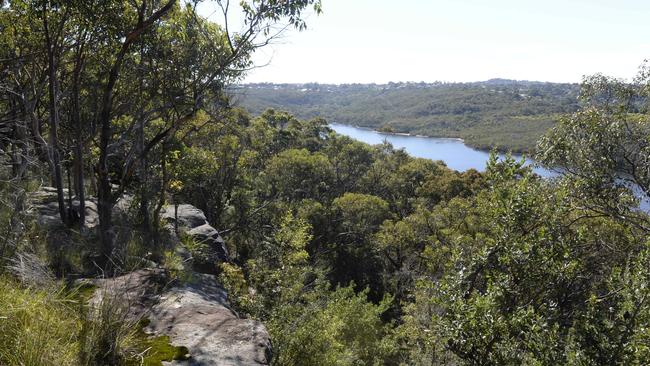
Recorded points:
(453, 152)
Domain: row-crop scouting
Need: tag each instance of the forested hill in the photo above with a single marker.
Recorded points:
(507, 114)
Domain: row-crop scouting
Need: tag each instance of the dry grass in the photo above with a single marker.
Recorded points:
(108, 334)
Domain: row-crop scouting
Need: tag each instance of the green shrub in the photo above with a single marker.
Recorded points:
(53, 326)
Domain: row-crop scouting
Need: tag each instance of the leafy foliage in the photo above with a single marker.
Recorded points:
(350, 254)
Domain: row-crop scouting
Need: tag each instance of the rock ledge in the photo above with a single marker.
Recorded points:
(194, 314)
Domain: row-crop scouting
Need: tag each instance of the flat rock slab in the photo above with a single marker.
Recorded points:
(194, 314)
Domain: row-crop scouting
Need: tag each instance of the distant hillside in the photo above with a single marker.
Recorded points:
(501, 113)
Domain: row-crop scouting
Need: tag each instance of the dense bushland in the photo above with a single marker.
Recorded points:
(350, 254)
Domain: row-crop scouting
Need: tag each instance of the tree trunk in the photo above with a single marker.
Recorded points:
(161, 197)
(71, 217)
(78, 150)
(54, 123)
(105, 204)
(105, 197)
(144, 180)
(142, 166)
(20, 144)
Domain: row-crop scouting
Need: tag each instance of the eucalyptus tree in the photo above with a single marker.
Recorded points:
(604, 148)
(521, 274)
(32, 45)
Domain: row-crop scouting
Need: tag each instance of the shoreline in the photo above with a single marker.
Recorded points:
(398, 133)
(470, 145)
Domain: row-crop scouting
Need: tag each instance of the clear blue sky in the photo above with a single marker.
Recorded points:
(461, 40)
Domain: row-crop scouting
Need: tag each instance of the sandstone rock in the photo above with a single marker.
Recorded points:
(138, 290)
(45, 204)
(188, 216)
(195, 315)
(192, 222)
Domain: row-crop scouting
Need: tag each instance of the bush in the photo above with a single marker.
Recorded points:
(340, 328)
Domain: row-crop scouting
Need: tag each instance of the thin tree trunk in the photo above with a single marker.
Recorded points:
(54, 122)
(105, 204)
(40, 144)
(144, 180)
(161, 197)
(70, 212)
(142, 166)
(105, 199)
(78, 150)
(20, 144)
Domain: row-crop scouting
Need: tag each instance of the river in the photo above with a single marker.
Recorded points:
(453, 152)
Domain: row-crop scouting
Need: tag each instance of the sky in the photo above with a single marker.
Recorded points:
(366, 41)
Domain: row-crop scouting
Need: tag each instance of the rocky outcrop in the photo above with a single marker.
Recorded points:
(45, 203)
(185, 218)
(194, 314)
(191, 221)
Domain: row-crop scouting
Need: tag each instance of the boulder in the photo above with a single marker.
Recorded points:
(188, 216)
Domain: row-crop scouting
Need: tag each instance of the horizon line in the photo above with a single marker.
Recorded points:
(410, 82)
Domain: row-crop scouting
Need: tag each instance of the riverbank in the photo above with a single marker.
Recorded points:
(394, 133)
(470, 142)
(454, 152)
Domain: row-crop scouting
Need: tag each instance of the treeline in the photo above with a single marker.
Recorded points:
(506, 114)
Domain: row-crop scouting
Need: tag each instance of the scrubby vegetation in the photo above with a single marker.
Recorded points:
(53, 325)
(35, 326)
(350, 254)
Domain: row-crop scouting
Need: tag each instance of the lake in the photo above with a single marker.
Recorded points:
(453, 152)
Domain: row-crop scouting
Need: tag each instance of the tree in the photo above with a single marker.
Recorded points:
(604, 148)
(146, 17)
(401, 244)
(357, 217)
(296, 174)
(527, 271)
(350, 159)
(309, 322)
(32, 60)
